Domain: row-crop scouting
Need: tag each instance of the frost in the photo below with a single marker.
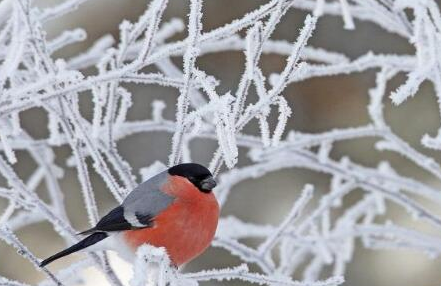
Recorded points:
(153, 169)
(314, 236)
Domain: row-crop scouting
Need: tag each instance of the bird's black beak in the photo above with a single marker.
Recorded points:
(208, 183)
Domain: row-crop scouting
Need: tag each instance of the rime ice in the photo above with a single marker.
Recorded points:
(30, 77)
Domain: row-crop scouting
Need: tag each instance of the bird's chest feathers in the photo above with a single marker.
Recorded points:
(190, 221)
(186, 228)
(193, 214)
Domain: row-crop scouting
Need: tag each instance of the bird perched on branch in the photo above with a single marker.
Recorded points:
(176, 209)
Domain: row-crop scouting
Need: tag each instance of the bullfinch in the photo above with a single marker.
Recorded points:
(175, 209)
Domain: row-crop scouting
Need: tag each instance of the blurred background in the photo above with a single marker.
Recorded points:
(318, 105)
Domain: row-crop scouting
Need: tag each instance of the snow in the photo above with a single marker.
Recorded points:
(311, 236)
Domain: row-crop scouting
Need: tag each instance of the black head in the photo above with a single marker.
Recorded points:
(200, 176)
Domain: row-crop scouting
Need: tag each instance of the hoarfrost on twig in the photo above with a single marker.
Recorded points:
(312, 236)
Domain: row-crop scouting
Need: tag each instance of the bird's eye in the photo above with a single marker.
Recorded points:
(192, 179)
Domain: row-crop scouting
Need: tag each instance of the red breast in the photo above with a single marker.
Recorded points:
(185, 228)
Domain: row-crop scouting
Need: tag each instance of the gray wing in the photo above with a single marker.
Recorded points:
(139, 208)
(147, 200)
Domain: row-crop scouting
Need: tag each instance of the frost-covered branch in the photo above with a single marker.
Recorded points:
(316, 234)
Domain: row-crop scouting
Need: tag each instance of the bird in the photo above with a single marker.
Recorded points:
(175, 209)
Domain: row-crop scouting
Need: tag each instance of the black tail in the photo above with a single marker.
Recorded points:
(88, 241)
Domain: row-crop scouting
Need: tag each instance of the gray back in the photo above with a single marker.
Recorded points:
(147, 198)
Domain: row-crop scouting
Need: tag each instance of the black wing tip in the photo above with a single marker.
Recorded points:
(88, 231)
